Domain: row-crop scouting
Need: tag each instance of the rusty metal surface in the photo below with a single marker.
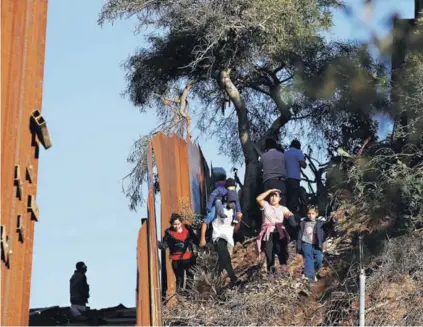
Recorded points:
(182, 173)
(153, 257)
(143, 295)
(148, 283)
(169, 153)
(23, 26)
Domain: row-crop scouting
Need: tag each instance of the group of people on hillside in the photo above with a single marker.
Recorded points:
(281, 175)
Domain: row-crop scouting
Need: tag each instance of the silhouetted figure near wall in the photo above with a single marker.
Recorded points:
(79, 290)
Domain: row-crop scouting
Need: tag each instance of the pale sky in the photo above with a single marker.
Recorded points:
(83, 213)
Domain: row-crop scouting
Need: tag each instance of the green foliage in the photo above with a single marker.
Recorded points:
(267, 44)
(139, 174)
(410, 90)
(282, 70)
(387, 188)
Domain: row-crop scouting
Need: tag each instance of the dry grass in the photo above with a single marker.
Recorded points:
(394, 287)
(280, 301)
(261, 299)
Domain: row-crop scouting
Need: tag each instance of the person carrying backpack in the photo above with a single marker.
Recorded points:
(223, 237)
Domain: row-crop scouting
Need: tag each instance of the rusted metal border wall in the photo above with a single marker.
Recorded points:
(23, 30)
(169, 154)
(182, 176)
(148, 287)
(206, 182)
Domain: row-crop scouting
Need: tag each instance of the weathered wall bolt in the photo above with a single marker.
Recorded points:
(5, 248)
(33, 207)
(18, 182)
(29, 173)
(40, 125)
(20, 228)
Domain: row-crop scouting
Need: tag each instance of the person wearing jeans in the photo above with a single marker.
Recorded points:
(313, 232)
(313, 258)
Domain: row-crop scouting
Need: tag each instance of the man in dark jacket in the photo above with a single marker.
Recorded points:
(272, 164)
(79, 290)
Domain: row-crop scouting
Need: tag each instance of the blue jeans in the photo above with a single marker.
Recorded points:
(313, 257)
(215, 212)
(210, 216)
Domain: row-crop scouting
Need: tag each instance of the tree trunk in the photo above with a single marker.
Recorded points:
(252, 187)
(252, 182)
(251, 179)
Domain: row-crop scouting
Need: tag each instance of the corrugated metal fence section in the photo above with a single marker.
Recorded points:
(148, 287)
(184, 178)
(23, 31)
(182, 173)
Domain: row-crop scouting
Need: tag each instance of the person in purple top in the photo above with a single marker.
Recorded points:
(214, 203)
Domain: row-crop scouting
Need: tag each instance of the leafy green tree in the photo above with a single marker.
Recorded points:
(255, 67)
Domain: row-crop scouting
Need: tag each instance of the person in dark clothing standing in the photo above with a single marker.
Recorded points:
(272, 163)
(179, 238)
(79, 290)
(294, 161)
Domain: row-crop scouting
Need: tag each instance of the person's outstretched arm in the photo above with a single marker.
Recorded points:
(192, 235)
(291, 219)
(301, 159)
(203, 234)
